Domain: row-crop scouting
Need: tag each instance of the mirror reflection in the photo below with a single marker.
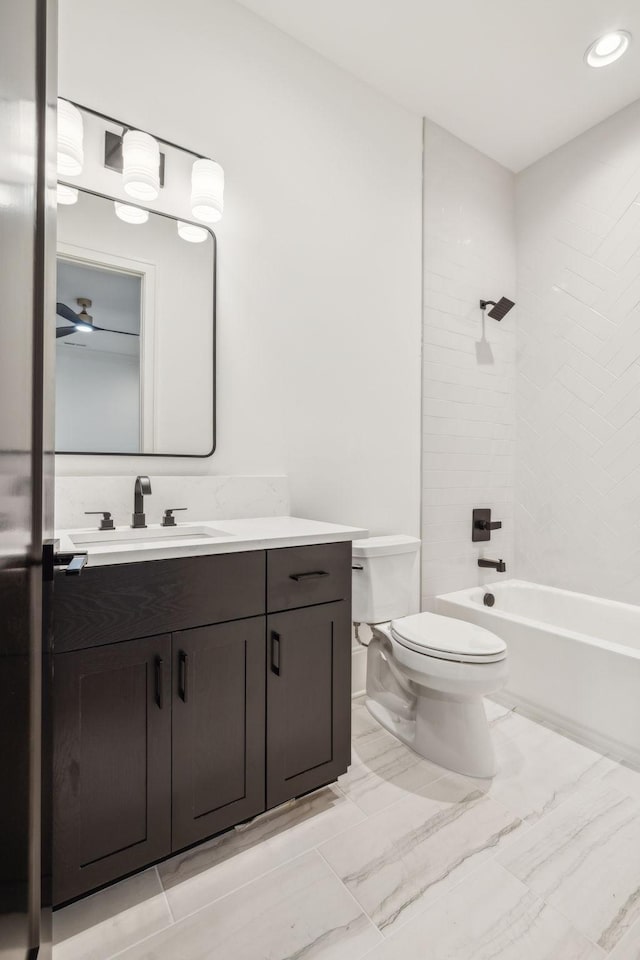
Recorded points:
(134, 331)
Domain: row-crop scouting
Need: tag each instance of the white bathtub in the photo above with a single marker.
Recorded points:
(574, 660)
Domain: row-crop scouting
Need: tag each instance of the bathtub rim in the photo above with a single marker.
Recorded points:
(462, 597)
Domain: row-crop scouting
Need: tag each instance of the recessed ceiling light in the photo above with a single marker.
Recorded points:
(608, 49)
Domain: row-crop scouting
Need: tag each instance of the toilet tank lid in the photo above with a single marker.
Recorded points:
(385, 546)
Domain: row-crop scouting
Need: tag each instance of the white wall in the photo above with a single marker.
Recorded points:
(469, 390)
(319, 250)
(578, 489)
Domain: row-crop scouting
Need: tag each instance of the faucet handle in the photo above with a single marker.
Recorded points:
(106, 523)
(168, 519)
(483, 525)
(489, 525)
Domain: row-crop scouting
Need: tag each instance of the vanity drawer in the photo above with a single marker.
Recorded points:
(125, 601)
(302, 576)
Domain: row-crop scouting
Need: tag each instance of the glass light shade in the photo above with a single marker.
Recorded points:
(608, 49)
(189, 231)
(70, 139)
(207, 191)
(140, 165)
(66, 195)
(130, 214)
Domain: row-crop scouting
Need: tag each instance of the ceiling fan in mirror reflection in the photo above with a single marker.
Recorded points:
(82, 322)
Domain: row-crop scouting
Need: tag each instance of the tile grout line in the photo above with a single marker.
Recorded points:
(164, 894)
(259, 876)
(165, 925)
(155, 933)
(526, 826)
(309, 852)
(138, 943)
(571, 923)
(355, 900)
(205, 906)
(305, 853)
(177, 920)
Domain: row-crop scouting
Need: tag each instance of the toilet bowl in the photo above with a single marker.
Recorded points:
(426, 677)
(426, 674)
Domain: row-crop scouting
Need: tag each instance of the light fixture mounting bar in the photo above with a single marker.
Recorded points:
(113, 154)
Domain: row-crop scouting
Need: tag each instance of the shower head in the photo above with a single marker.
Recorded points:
(500, 309)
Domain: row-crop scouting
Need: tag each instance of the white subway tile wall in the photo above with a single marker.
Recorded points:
(469, 369)
(578, 381)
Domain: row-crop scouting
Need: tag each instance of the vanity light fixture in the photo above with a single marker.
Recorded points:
(140, 165)
(129, 213)
(192, 233)
(66, 195)
(139, 160)
(608, 49)
(207, 190)
(70, 139)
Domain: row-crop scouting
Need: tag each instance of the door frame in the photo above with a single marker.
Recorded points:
(43, 473)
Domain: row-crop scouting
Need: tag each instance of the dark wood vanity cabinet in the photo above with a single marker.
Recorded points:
(112, 727)
(238, 702)
(218, 748)
(308, 699)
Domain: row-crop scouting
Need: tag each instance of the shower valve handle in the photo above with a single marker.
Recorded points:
(489, 524)
(482, 525)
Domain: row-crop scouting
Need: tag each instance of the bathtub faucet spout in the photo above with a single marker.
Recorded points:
(498, 565)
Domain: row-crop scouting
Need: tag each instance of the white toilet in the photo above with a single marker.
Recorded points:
(426, 674)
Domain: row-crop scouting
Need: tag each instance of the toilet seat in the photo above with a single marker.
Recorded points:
(445, 638)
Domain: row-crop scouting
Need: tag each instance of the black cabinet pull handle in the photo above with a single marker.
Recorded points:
(75, 565)
(51, 558)
(312, 575)
(183, 678)
(275, 653)
(159, 663)
(73, 562)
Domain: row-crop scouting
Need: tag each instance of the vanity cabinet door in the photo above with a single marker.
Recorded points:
(218, 728)
(308, 699)
(112, 762)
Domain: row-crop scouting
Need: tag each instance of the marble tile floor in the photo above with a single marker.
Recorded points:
(401, 860)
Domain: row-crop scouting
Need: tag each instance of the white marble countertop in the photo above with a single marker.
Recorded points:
(200, 539)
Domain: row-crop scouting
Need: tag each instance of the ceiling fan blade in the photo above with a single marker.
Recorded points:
(64, 332)
(125, 333)
(64, 311)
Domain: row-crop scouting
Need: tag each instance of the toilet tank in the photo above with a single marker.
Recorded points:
(384, 578)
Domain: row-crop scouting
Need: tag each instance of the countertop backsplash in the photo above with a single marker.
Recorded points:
(206, 497)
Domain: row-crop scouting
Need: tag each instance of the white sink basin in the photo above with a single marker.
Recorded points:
(151, 534)
(201, 538)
